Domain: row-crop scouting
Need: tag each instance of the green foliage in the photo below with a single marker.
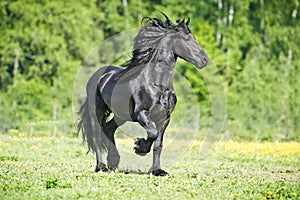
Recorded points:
(33, 95)
(254, 44)
(42, 46)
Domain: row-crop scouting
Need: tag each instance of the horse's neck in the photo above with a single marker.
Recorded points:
(160, 69)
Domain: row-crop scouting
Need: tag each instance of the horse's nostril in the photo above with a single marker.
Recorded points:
(204, 59)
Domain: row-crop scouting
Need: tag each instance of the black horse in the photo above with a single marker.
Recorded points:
(142, 92)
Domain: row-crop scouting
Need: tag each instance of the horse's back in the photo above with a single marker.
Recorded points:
(103, 71)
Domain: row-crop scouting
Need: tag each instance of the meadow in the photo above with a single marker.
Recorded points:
(252, 81)
(59, 168)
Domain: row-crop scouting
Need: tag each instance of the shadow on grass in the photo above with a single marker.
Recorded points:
(130, 171)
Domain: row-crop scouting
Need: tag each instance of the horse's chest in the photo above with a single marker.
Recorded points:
(165, 102)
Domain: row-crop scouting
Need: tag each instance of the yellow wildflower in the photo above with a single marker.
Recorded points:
(295, 194)
(251, 180)
(236, 195)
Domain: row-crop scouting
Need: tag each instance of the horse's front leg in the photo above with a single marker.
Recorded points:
(143, 146)
(158, 144)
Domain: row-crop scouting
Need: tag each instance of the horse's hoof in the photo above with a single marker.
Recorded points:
(141, 148)
(113, 169)
(113, 160)
(159, 172)
(102, 167)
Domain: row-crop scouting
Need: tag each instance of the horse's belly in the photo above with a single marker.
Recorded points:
(121, 102)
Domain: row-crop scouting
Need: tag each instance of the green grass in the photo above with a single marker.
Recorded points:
(53, 168)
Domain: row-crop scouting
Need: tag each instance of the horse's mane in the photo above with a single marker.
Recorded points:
(149, 37)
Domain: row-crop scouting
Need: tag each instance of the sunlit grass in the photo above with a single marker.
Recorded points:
(51, 168)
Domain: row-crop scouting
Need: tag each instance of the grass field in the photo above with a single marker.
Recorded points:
(53, 168)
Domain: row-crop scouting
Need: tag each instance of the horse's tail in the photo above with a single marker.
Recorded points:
(92, 113)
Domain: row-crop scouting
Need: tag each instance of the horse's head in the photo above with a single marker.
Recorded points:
(178, 39)
(186, 46)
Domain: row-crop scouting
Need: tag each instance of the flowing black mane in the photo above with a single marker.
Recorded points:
(149, 37)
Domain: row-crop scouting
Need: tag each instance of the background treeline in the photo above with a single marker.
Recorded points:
(254, 43)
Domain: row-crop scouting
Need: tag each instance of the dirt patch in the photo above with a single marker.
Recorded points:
(286, 175)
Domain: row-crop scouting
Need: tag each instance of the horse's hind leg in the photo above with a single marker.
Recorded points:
(100, 166)
(113, 157)
(98, 139)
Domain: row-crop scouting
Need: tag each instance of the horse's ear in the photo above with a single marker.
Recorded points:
(181, 23)
(188, 22)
